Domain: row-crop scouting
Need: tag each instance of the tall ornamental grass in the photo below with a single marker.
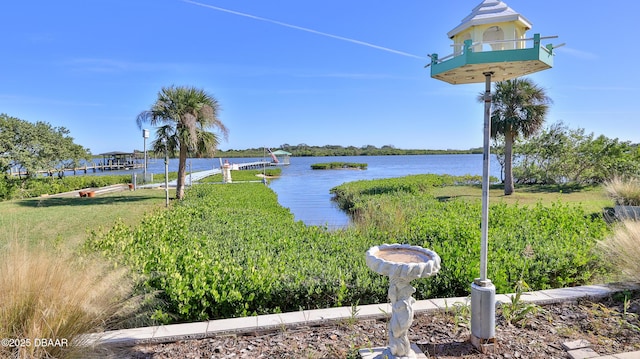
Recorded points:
(48, 299)
(625, 191)
(622, 249)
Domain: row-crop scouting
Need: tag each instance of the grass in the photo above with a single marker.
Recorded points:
(593, 199)
(625, 191)
(622, 249)
(48, 290)
(68, 220)
(49, 294)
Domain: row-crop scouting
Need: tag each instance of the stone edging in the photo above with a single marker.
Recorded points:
(270, 322)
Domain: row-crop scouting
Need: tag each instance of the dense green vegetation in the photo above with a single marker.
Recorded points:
(303, 150)
(546, 245)
(338, 165)
(232, 250)
(559, 154)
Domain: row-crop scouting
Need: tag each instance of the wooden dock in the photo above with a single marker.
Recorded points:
(251, 165)
(132, 166)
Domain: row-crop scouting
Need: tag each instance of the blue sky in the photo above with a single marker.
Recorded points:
(314, 72)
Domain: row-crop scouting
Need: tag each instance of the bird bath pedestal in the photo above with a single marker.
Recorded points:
(402, 263)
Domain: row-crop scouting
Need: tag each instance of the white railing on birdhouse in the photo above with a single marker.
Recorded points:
(471, 46)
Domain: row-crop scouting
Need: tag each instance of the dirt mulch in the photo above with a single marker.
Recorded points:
(610, 325)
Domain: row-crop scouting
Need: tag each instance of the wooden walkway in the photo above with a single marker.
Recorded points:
(118, 167)
(197, 176)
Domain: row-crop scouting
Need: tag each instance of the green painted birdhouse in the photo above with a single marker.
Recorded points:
(492, 39)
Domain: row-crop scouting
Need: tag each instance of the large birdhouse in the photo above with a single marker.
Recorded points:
(492, 39)
(489, 45)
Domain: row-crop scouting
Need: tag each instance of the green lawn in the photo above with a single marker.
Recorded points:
(68, 220)
(592, 199)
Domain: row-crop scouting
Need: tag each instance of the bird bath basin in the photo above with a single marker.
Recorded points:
(402, 263)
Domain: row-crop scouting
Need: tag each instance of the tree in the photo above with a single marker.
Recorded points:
(519, 110)
(560, 155)
(32, 147)
(549, 157)
(183, 115)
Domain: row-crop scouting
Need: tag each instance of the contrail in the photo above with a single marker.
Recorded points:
(305, 29)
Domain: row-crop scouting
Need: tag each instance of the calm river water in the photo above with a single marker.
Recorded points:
(306, 192)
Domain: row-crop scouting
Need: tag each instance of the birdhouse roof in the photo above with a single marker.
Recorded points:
(488, 12)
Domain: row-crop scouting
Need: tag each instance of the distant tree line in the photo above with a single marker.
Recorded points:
(304, 150)
(27, 148)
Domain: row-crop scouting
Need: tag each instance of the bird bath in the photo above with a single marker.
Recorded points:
(402, 263)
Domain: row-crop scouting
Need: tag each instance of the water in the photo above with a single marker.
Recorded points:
(306, 192)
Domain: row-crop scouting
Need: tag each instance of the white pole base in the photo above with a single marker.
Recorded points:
(483, 312)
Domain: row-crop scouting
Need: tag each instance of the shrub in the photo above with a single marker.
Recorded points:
(45, 294)
(16, 188)
(232, 250)
(625, 191)
(560, 238)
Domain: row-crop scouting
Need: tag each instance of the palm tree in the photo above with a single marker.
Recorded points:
(519, 110)
(183, 116)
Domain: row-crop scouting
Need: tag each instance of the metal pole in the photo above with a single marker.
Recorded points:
(483, 292)
(145, 135)
(144, 179)
(166, 174)
(485, 177)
